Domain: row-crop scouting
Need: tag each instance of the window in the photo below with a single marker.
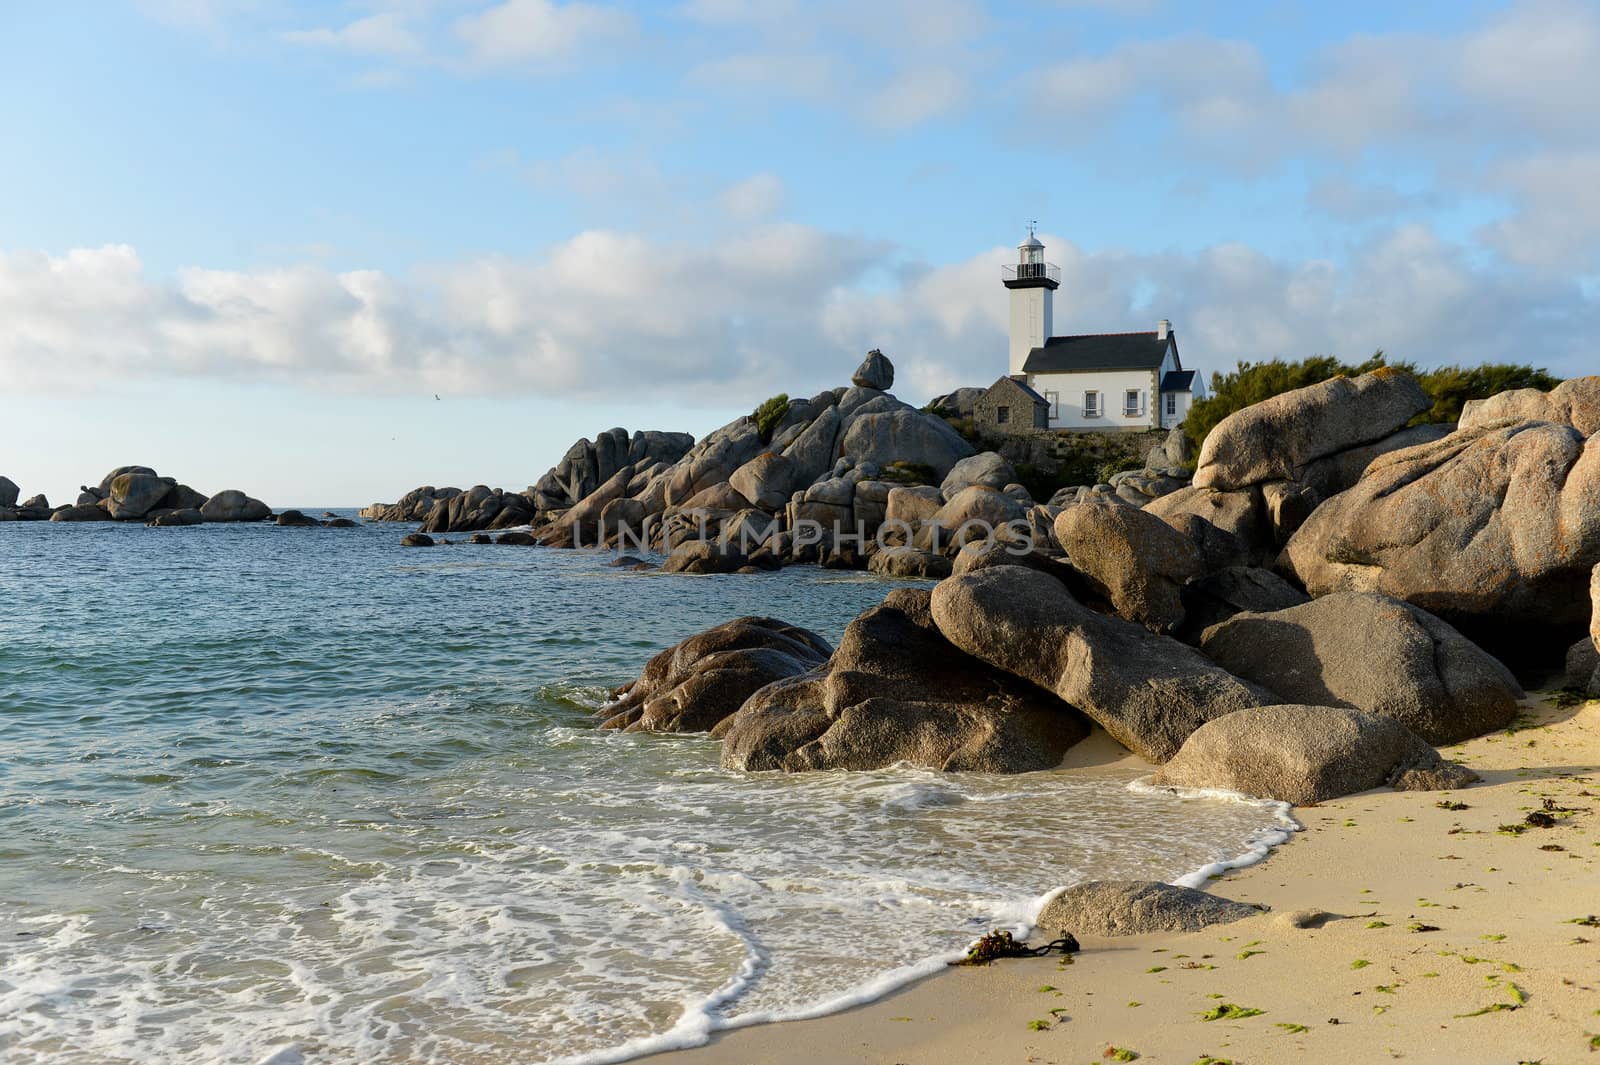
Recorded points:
(1172, 404)
(1002, 415)
(1053, 399)
(1091, 404)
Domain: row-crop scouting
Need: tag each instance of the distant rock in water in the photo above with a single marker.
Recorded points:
(294, 517)
(135, 493)
(233, 505)
(416, 540)
(415, 505)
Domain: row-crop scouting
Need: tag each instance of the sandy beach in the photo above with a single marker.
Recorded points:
(1464, 935)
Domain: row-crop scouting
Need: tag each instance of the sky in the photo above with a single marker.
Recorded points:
(327, 252)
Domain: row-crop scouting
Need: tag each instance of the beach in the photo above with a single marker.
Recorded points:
(1460, 938)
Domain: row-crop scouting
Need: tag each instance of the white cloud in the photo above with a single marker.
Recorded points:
(1558, 221)
(539, 31)
(753, 199)
(386, 33)
(812, 76)
(917, 96)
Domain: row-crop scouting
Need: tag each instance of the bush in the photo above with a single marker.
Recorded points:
(1110, 469)
(769, 414)
(1450, 387)
(909, 473)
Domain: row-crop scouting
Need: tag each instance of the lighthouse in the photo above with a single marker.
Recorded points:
(1033, 283)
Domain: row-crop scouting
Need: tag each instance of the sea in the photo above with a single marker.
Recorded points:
(300, 795)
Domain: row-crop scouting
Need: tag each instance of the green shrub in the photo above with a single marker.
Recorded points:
(909, 473)
(769, 414)
(1451, 386)
(1108, 470)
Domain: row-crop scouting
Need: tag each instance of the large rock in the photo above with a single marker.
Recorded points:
(713, 460)
(1148, 691)
(693, 685)
(896, 691)
(1308, 754)
(133, 495)
(1575, 403)
(80, 512)
(1331, 475)
(811, 454)
(705, 556)
(904, 435)
(1275, 439)
(973, 514)
(105, 482)
(233, 505)
(959, 404)
(909, 562)
(479, 507)
(1488, 528)
(1136, 561)
(1136, 908)
(1594, 609)
(1217, 596)
(1373, 653)
(1229, 528)
(875, 371)
(985, 468)
(1582, 667)
(168, 518)
(766, 481)
(8, 492)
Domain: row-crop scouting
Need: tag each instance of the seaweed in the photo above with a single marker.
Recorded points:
(1002, 944)
(1227, 1011)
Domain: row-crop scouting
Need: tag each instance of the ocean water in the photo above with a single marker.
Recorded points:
(299, 795)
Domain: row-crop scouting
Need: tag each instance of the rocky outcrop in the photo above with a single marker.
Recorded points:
(958, 404)
(904, 435)
(875, 371)
(1148, 691)
(232, 505)
(479, 507)
(1229, 528)
(588, 464)
(972, 514)
(1495, 526)
(1574, 403)
(896, 691)
(693, 685)
(1136, 908)
(1331, 475)
(8, 493)
(1274, 440)
(1308, 754)
(296, 519)
(415, 505)
(1374, 653)
(417, 540)
(1136, 561)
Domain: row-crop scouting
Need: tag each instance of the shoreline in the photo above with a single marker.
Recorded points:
(1437, 920)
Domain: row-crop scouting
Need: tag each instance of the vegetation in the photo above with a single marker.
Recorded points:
(769, 414)
(1450, 387)
(1230, 1012)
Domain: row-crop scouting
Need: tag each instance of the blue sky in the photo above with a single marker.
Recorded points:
(248, 242)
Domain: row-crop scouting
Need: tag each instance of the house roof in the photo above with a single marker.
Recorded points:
(1022, 386)
(1178, 381)
(1098, 351)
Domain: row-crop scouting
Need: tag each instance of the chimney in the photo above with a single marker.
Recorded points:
(1163, 329)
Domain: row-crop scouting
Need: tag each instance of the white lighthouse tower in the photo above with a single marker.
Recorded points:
(1033, 283)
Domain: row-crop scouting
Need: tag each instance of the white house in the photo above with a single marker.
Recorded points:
(1092, 381)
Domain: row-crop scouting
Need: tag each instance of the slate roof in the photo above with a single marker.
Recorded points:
(1097, 351)
(1023, 385)
(1178, 381)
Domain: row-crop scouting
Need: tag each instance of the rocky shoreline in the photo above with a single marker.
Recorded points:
(1246, 632)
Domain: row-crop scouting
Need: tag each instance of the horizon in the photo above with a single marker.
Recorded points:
(248, 244)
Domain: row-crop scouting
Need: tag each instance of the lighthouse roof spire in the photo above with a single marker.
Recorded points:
(1031, 241)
